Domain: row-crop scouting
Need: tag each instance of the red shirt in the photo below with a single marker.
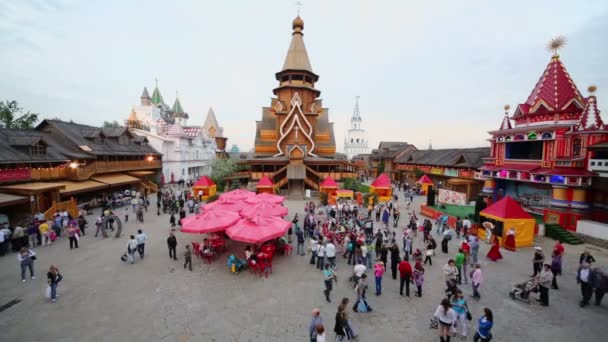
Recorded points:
(405, 269)
(465, 248)
(558, 249)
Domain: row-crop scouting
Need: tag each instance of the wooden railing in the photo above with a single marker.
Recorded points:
(96, 167)
(49, 173)
(70, 206)
(312, 179)
(151, 186)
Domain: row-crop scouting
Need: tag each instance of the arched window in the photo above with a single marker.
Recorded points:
(357, 140)
(576, 147)
(547, 135)
(351, 140)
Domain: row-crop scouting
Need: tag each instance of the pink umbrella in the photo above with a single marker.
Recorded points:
(265, 197)
(227, 204)
(210, 221)
(238, 194)
(258, 229)
(264, 209)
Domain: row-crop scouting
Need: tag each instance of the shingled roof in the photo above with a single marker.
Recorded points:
(83, 137)
(453, 157)
(15, 143)
(389, 149)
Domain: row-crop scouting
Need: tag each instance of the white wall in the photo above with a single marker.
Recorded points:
(593, 229)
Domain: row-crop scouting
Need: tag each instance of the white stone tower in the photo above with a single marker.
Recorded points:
(356, 139)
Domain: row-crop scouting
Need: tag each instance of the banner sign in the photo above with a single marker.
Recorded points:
(14, 175)
(437, 171)
(451, 173)
(452, 197)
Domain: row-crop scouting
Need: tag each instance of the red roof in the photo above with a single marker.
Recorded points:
(204, 181)
(512, 167)
(591, 119)
(329, 183)
(564, 172)
(264, 182)
(507, 208)
(382, 182)
(555, 89)
(425, 180)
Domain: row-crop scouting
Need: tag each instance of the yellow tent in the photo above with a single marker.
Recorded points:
(506, 214)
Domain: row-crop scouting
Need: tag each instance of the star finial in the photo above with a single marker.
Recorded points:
(556, 44)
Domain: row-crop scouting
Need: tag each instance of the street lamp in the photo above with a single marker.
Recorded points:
(73, 165)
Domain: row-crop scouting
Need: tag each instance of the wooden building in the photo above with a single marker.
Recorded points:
(294, 141)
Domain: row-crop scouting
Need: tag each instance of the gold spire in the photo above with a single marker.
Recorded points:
(592, 89)
(556, 44)
(297, 57)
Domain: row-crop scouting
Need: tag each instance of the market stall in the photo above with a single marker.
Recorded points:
(204, 188)
(382, 187)
(506, 214)
(329, 186)
(424, 182)
(264, 185)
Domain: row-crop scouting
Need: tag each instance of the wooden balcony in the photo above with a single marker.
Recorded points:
(96, 167)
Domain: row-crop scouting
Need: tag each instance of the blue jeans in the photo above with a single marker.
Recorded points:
(54, 286)
(378, 285)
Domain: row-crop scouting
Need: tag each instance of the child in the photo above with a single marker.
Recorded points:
(126, 214)
(188, 257)
(172, 220)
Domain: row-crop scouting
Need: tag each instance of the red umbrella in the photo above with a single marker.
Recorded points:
(162, 180)
(258, 229)
(172, 178)
(210, 221)
(265, 197)
(264, 209)
(227, 204)
(238, 194)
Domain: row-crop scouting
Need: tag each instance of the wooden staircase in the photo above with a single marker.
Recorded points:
(313, 179)
(150, 186)
(557, 232)
(279, 178)
(70, 206)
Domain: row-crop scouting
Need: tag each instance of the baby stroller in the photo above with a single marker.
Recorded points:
(522, 291)
(235, 264)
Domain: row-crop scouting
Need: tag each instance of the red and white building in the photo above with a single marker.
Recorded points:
(540, 155)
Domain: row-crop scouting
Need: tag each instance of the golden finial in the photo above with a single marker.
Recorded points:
(592, 89)
(556, 44)
(507, 107)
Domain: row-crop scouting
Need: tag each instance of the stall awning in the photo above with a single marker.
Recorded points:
(8, 200)
(141, 173)
(116, 179)
(32, 188)
(72, 188)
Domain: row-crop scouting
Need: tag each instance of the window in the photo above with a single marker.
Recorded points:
(351, 140)
(593, 163)
(38, 149)
(576, 147)
(357, 140)
(546, 135)
(528, 150)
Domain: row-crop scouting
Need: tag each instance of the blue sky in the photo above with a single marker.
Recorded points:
(439, 70)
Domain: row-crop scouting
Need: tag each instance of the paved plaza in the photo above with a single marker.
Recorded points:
(104, 299)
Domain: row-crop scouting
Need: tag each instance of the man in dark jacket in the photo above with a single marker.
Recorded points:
(172, 244)
(405, 273)
(586, 277)
(394, 249)
(600, 284)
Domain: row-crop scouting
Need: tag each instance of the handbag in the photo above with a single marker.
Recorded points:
(469, 316)
(123, 258)
(33, 257)
(433, 324)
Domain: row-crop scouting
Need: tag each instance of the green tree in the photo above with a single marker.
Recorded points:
(111, 124)
(381, 167)
(13, 116)
(419, 173)
(221, 169)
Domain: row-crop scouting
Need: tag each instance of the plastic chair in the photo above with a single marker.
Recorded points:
(196, 248)
(288, 249)
(264, 266)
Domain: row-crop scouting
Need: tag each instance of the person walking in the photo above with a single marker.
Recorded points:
(82, 223)
(172, 244)
(340, 324)
(537, 261)
(361, 304)
(330, 253)
(72, 235)
(26, 259)
(586, 257)
(459, 304)
(585, 277)
(348, 326)
(405, 276)
(313, 250)
(131, 249)
(474, 245)
(430, 251)
(459, 262)
(447, 236)
(418, 278)
(32, 234)
(378, 273)
(320, 255)
(300, 241)
(395, 259)
(446, 319)
(544, 282)
(188, 258)
(600, 284)
(141, 242)
(53, 279)
(45, 236)
(328, 277)
(315, 321)
(556, 268)
(476, 280)
(484, 327)
(451, 272)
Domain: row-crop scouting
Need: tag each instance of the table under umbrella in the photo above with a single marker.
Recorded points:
(264, 209)
(210, 221)
(258, 229)
(266, 197)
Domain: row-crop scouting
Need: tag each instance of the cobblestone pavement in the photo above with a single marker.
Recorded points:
(104, 299)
